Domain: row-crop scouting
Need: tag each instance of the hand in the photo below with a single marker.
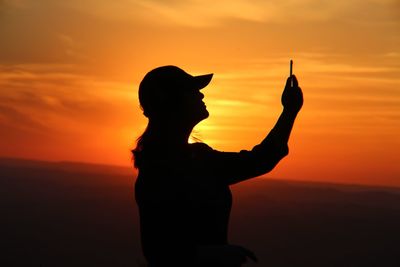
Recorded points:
(292, 97)
(226, 255)
(234, 255)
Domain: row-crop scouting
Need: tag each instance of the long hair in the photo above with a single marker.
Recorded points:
(141, 144)
(145, 141)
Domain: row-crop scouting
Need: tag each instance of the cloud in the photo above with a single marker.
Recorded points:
(205, 13)
(10, 115)
(15, 3)
(51, 111)
(71, 46)
(51, 98)
(246, 43)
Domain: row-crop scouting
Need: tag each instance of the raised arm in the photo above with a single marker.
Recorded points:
(236, 167)
(292, 101)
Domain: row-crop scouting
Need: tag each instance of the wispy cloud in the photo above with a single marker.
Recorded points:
(15, 3)
(50, 98)
(71, 46)
(208, 13)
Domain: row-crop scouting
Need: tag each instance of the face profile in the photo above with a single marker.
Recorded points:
(192, 107)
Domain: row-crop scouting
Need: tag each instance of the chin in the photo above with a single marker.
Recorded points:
(202, 116)
(206, 114)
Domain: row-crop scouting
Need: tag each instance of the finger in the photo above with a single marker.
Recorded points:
(250, 254)
(288, 82)
(295, 82)
(300, 91)
(253, 257)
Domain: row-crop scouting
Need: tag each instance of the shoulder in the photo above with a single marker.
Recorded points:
(200, 146)
(200, 150)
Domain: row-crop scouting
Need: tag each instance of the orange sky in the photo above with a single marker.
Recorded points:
(70, 71)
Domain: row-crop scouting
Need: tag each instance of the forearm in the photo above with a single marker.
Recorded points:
(280, 134)
(266, 155)
(292, 101)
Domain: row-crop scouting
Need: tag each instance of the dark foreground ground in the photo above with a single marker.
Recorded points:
(70, 214)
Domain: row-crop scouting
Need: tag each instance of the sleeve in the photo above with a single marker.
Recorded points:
(234, 167)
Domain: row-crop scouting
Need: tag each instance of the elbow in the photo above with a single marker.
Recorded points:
(259, 164)
(277, 157)
(285, 151)
(279, 153)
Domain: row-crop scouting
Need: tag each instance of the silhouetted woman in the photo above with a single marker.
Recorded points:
(182, 189)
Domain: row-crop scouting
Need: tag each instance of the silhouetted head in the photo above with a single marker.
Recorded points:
(169, 93)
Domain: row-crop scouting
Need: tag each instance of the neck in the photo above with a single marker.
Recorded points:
(171, 133)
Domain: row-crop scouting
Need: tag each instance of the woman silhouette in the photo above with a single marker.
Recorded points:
(182, 189)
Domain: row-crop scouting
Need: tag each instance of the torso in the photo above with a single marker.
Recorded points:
(186, 185)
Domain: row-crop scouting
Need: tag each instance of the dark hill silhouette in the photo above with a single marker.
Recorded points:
(75, 214)
(69, 166)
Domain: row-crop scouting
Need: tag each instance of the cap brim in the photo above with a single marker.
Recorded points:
(202, 81)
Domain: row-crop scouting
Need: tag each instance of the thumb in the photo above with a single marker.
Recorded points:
(295, 82)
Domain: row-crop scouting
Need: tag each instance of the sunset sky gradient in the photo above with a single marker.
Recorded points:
(69, 73)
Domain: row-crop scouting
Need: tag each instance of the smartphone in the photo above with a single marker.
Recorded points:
(291, 73)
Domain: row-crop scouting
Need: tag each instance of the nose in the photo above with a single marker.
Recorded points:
(201, 95)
